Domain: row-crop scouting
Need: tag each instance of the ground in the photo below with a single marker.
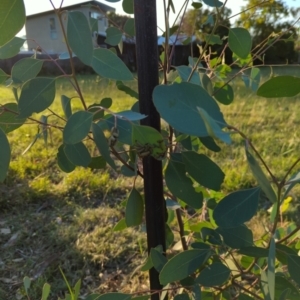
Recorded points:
(50, 220)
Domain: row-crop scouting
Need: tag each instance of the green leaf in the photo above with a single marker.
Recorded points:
(197, 5)
(147, 265)
(271, 269)
(26, 69)
(240, 42)
(261, 177)
(182, 265)
(150, 139)
(178, 105)
(26, 283)
(254, 252)
(182, 297)
(109, 65)
(213, 39)
(237, 237)
(121, 225)
(264, 285)
(209, 143)
(129, 27)
(215, 274)
(44, 126)
(213, 128)
(63, 162)
(237, 208)
(77, 289)
(130, 115)
(291, 182)
(37, 94)
(134, 209)
(280, 86)
(3, 76)
(114, 296)
(97, 162)
(9, 117)
(283, 252)
(128, 6)
(158, 259)
(79, 36)
(213, 3)
(46, 291)
(126, 89)
(77, 128)
(255, 78)
(102, 145)
(281, 284)
(124, 128)
(113, 36)
(12, 48)
(66, 106)
(203, 170)
(4, 155)
(294, 267)
(78, 154)
(184, 73)
(181, 186)
(12, 19)
(211, 236)
(223, 93)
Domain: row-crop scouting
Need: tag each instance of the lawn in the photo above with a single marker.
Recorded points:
(49, 219)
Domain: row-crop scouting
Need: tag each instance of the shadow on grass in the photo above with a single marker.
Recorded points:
(42, 231)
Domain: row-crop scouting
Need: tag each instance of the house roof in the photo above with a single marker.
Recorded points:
(102, 6)
(174, 39)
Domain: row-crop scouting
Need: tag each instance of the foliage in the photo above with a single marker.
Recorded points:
(220, 256)
(266, 20)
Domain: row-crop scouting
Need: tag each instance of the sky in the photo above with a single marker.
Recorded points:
(36, 6)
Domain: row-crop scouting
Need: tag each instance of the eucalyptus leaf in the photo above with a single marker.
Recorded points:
(271, 269)
(158, 259)
(37, 94)
(203, 170)
(236, 208)
(121, 225)
(26, 69)
(215, 274)
(113, 36)
(181, 186)
(182, 265)
(78, 154)
(4, 155)
(129, 27)
(102, 145)
(12, 48)
(237, 237)
(261, 177)
(178, 105)
(3, 76)
(9, 117)
(77, 128)
(184, 73)
(109, 65)
(126, 89)
(280, 86)
(213, 3)
(240, 42)
(79, 36)
(12, 19)
(66, 106)
(134, 209)
(223, 93)
(128, 6)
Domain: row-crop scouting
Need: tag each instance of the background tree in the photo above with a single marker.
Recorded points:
(116, 19)
(200, 22)
(266, 20)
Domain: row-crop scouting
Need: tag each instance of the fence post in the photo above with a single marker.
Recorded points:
(148, 78)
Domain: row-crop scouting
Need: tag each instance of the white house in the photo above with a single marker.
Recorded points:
(43, 29)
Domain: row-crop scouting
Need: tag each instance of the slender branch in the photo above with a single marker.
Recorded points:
(289, 235)
(181, 229)
(246, 290)
(256, 152)
(283, 181)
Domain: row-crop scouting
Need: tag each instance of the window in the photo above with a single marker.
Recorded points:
(95, 15)
(53, 31)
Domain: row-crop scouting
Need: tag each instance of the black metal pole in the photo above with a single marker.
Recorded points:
(148, 78)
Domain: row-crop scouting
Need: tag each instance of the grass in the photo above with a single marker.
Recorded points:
(50, 219)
